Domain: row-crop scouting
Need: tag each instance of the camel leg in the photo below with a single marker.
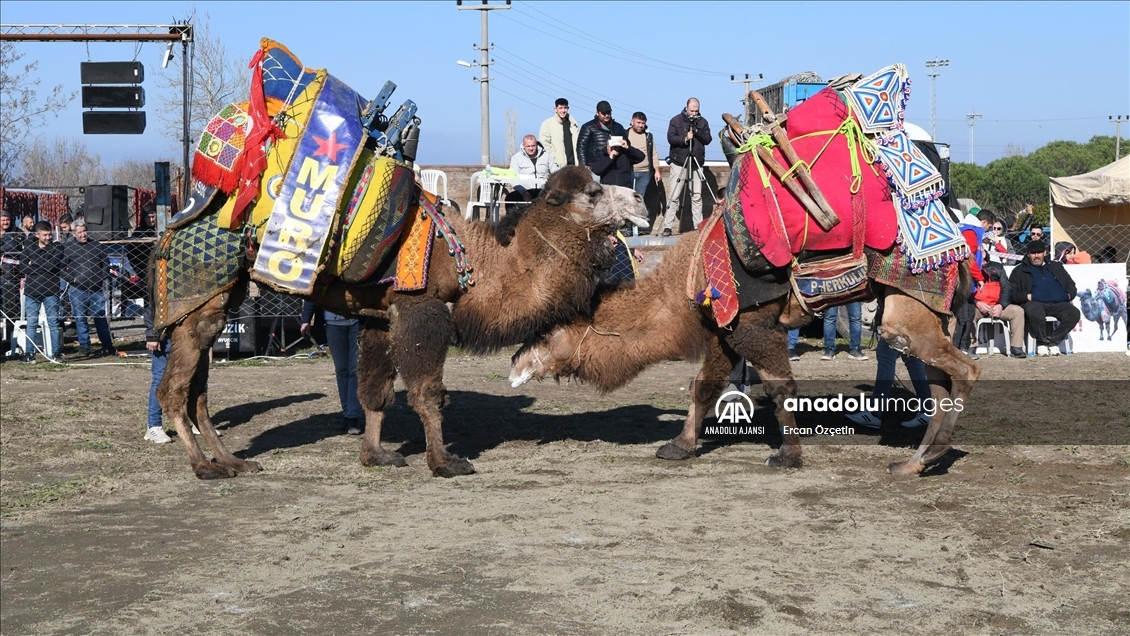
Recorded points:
(198, 413)
(421, 329)
(708, 386)
(763, 341)
(186, 374)
(910, 326)
(375, 377)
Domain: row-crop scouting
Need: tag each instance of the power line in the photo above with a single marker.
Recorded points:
(1008, 121)
(560, 24)
(582, 89)
(668, 67)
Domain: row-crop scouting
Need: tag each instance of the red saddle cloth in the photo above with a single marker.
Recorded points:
(781, 236)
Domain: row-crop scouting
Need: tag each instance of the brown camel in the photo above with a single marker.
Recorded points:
(635, 327)
(532, 270)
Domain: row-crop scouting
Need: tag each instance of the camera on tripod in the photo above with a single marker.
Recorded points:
(694, 118)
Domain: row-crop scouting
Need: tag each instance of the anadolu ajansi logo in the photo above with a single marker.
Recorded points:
(734, 408)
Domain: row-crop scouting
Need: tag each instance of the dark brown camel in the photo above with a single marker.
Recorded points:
(532, 271)
(635, 327)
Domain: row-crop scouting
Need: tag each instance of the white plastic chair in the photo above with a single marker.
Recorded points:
(480, 195)
(991, 345)
(433, 181)
(1067, 346)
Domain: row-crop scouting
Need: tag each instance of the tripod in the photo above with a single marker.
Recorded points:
(690, 168)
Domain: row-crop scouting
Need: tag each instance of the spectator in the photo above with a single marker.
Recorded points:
(11, 247)
(148, 227)
(1036, 234)
(997, 241)
(1044, 288)
(159, 352)
(531, 162)
(994, 300)
(973, 229)
(885, 381)
(559, 133)
(29, 228)
(64, 228)
(40, 267)
(603, 147)
(341, 336)
(86, 267)
(855, 331)
(689, 134)
(1066, 253)
(641, 139)
(1108, 255)
(794, 335)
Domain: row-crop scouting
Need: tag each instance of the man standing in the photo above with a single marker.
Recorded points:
(558, 135)
(531, 162)
(602, 147)
(1044, 288)
(86, 267)
(11, 247)
(341, 335)
(40, 266)
(689, 134)
(640, 138)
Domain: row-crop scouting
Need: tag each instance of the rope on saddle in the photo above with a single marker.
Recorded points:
(454, 246)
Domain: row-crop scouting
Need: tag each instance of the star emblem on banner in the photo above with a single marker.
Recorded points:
(329, 147)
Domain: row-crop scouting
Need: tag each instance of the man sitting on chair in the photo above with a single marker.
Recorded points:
(531, 162)
(1044, 288)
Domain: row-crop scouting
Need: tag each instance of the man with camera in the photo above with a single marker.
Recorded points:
(603, 146)
(688, 133)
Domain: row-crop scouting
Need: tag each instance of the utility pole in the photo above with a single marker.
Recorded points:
(484, 67)
(745, 94)
(934, 64)
(1118, 133)
(972, 118)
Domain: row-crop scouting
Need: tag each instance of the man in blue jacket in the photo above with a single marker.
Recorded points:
(1044, 288)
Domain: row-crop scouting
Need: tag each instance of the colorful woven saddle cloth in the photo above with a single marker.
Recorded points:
(192, 265)
(934, 287)
(775, 225)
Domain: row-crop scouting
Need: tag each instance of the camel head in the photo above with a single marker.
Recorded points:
(592, 205)
(548, 355)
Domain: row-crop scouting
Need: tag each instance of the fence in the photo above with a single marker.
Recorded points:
(1108, 243)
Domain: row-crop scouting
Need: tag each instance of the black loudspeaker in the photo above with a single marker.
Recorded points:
(106, 211)
(240, 334)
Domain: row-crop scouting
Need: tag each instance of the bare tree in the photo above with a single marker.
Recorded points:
(22, 112)
(1014, 150)
(215, 78)
(60, 163)
(136, 173)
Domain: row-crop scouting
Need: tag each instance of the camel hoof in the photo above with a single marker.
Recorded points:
(454, 467)
(905, 468)
(382, 457)
(212, 470)
(781, 461)
(248, 466)
(670, 450)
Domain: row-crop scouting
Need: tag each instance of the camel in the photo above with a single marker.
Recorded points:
(532, 270)
(638, 325)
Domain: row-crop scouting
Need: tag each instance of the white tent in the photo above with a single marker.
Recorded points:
(1093, 210)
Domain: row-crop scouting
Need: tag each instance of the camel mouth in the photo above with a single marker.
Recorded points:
(518, 378)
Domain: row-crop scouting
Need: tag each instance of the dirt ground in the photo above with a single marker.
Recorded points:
(571, 525)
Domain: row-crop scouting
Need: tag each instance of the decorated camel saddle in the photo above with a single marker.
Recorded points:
(306, 182)
(810, 191)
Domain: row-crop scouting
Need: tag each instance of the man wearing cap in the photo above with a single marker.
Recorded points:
(558, 134)
(1043, 288)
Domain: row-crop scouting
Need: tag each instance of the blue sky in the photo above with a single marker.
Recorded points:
(1036, 72)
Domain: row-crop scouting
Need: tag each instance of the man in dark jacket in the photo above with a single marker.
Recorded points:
(86, 266)
(602, 145)
(689, 134)
(1044, 288)
(40, 267)
(11, 246)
